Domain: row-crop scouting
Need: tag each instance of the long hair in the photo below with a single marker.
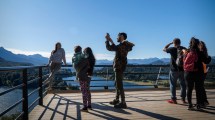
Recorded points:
(58, 43)
(91, 59)
(204, 48)
(194, 44)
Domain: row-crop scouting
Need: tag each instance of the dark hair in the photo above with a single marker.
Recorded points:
(91, 59)
(194, 42)
(204, 48)
(77, 49)
(123, 34)
(177, 41)
(56, 47)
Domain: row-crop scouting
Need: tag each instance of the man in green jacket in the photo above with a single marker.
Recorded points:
(119, 65)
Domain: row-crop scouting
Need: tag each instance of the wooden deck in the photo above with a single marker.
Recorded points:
(141, 105)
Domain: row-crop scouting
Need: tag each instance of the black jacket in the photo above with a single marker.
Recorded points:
(120, 60)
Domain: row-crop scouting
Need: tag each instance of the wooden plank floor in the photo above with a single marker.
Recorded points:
(141, 105)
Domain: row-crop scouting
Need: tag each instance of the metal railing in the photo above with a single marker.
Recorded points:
(162, 70)
(42, 82)
(24, 86)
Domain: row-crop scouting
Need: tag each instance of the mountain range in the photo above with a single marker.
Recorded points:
(5, 63)
(153, 61)
(36, 59)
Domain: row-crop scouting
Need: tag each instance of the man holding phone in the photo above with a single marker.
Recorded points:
(119, 65)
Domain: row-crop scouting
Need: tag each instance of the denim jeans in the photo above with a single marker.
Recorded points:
(173, 77)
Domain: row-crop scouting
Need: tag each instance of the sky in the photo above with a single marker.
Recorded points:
(34, 26)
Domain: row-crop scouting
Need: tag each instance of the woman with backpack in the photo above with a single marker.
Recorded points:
(194, 73)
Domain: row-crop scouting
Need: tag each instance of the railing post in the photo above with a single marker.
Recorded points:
(158, 77)
(40, 86)
(106, 87)
(25, 94)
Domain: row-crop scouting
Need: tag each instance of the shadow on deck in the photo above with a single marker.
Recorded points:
(141, 105)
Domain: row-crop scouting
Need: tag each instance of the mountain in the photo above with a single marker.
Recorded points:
(212, 60)
(5, 63)
(158, 62)
(33, 59)
(142, 61)
(104, 62)
(153, 61)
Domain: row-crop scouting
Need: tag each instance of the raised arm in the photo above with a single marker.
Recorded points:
(167, 46)
(109, 47)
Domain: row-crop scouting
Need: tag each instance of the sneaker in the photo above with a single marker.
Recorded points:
(206, 103)
(114, 102)
(120, 105)
(172, 101)
(89, 107)
(190, 107)
(84, 109)
(199, 107)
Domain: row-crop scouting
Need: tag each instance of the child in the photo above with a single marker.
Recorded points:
(77, 57)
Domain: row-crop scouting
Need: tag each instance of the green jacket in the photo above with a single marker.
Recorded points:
(120, 59)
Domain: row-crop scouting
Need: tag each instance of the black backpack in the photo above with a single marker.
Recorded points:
(179, 60)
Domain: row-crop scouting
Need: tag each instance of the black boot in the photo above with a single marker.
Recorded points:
(114, 102)
(121, 105)
(84, 109)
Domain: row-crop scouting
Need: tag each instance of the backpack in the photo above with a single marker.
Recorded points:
(179, 60)
(190, 61)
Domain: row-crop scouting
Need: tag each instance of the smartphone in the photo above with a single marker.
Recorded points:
(108, 34)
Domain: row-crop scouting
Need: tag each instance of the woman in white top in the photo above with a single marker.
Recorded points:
(55, 61)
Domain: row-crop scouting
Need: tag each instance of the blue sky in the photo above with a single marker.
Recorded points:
(34, 26)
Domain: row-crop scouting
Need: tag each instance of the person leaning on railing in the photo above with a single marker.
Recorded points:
(55, 62)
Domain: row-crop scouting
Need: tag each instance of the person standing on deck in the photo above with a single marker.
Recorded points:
(55, 62)
(176, 71)
(84, 65)
(204, 51)
(119, 65)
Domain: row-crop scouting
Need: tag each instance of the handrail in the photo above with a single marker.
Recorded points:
(24, 85)
(33, 91)
(42, 84)
(11, 107)
(31, 81)
(130, 65)
(18, 68)
(11, 89)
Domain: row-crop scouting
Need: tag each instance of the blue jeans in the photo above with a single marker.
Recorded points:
(173, 77)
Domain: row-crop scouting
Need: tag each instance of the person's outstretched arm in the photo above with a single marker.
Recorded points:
(109, 47)
(167, 46)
